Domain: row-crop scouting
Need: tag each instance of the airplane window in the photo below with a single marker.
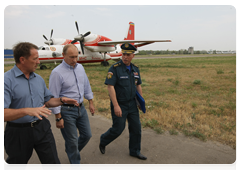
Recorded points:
(47, 48)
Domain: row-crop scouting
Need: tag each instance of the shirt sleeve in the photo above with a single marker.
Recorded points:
(139, 80)
(7, 93)
(88, 94)
(47, 94)
(111, 77)
(55, 88)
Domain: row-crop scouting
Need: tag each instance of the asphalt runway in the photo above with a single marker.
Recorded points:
(159, 148)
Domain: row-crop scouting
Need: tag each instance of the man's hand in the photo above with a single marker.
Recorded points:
(70, 101)
(60, 124)
(139, 107)
(43, 111)
(13, 114)
(118, 111)
(91, 108)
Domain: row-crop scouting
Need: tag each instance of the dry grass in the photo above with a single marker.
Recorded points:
(195, 96)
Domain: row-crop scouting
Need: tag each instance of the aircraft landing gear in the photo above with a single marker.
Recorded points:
(105, 63)
(43, 67)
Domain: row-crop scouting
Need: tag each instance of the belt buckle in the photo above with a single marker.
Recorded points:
(32, 123)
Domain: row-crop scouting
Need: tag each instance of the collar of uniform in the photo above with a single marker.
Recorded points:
(18, 72)
(124, 67)
(66, 65)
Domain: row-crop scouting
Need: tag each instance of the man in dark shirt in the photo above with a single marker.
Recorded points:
(123, 79)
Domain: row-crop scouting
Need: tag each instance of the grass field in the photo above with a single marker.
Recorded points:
(194, 96)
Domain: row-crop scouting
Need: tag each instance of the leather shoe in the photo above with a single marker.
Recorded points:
(140, 156)
(102, 149)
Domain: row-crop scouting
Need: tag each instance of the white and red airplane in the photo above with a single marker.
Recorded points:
(92, 47)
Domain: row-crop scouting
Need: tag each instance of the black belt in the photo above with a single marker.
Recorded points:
(21, 125)
(72, 105)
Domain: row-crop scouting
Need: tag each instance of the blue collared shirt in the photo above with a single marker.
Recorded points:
(20, 92)
(66, 81)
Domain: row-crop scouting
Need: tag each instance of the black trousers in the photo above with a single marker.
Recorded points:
(19, 143)
(130, 113)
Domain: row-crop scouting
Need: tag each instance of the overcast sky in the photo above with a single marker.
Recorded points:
(204, 27)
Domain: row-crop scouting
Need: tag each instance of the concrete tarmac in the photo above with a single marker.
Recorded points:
(159, 148)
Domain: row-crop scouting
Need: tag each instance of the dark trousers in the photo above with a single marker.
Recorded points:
(19, 143)
(130, 113)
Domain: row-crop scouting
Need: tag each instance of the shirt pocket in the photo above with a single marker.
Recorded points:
(124, 81)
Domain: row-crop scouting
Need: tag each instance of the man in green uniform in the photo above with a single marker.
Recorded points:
(123, 79)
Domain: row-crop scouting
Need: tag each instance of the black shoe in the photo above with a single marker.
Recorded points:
(102, 149)
(140, 156)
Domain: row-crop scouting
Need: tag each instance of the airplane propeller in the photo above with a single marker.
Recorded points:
(80, 37)
(49, 42)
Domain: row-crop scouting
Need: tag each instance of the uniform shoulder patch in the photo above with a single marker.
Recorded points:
(116, 65)
(134, 65)
(109, 75)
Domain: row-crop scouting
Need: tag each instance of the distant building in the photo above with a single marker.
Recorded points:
(190, 50)
(210, 52)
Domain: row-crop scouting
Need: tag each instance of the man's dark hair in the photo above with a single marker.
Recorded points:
(22, 49)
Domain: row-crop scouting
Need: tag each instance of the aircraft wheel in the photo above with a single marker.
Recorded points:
(105, 63)
(43, 67)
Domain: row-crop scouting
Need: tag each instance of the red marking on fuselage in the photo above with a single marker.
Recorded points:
(56, 58)
(69, 42)
(81, 59)
(115, 54)
(98, 39)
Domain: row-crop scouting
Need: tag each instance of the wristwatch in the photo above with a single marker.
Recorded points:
(61, 100)
(58, 119)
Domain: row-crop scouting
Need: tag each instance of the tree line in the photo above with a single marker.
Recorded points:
(172, 52)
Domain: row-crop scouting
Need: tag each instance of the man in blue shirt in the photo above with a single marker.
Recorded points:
(69, 79)
(123, 80)
(26, 99)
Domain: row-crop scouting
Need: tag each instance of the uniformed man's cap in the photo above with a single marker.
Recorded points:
(128, 48)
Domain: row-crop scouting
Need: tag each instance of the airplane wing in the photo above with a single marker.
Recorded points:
(140, 42)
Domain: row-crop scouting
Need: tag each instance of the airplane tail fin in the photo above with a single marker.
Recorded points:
(131, 32)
